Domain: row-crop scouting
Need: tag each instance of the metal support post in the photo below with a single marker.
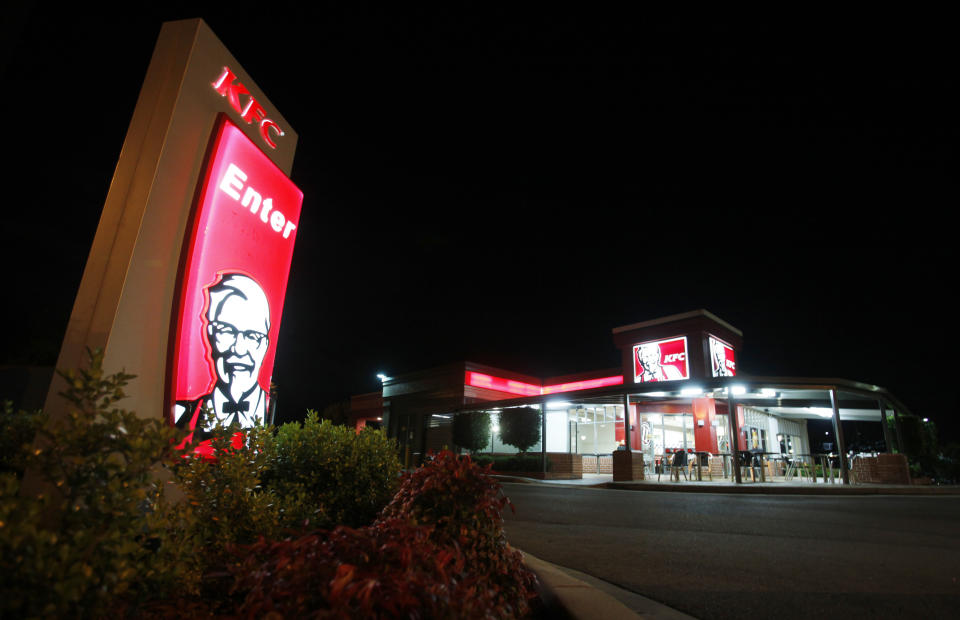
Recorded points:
(886, 431)
(734, 428)
(896, 425)
(543, 436)
(838, 431)
(626, 422)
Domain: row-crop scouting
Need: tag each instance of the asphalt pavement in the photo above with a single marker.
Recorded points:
(720, 555)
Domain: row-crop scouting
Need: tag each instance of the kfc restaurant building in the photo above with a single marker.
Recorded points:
(675, 407)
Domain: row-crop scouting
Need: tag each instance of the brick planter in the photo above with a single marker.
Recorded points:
(627, 465)
(881, 469)
(563, 466)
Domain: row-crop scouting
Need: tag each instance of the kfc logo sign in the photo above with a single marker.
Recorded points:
(722, 360)
(660, 360)
(232, 285)
(249, 110)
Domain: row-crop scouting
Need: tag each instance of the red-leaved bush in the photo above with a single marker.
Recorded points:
(462, 502)
(437, 551)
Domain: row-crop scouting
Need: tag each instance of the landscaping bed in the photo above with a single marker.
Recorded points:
(307, 520)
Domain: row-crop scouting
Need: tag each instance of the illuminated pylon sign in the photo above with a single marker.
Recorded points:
(236, 262)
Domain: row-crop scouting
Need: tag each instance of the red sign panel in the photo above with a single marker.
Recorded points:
(722, 359)
(236, 261)
(660, 360)
(510, 386)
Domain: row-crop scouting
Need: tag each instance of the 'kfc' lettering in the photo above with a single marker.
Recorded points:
(251, 111)
(673, 357)
(232, 184)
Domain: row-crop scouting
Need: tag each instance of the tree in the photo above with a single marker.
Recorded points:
(520, 427)
(338, 412)
(471, 430)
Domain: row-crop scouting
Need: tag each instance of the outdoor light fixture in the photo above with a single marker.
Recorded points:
(691, 391)
(768, 392)
(738, 390)
(655, 394)
(926, 419)
(823, 412)
(559, 404)
(382, 377)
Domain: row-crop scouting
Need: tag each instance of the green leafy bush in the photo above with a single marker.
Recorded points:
(520, 427)
(513, 462)
(17, 431)
(346, 477)
(77, 547)
(224, 503)
(471, 430)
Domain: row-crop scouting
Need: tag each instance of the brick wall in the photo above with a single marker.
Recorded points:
(597, 464)
(881, 469)
(565, 465)
(589, 462)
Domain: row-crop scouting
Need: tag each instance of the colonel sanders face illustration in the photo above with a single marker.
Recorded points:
(238, 321)
(649, 357)
(719, 354)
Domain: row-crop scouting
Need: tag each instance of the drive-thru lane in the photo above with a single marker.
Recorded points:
(749, 556)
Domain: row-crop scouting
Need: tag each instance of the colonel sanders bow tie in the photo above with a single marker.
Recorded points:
(229, 407)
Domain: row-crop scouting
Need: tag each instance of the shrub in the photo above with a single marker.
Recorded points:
(224, 503)
(520, 427)
(77, 546)
(17, 431)
(389, 570)
(471, 430)
(513, 462)
(348, 477)
(461, 502)
(437, 551)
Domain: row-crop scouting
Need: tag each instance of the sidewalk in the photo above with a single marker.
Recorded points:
(605, 481)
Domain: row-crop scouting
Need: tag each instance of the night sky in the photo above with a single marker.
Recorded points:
(506, 187)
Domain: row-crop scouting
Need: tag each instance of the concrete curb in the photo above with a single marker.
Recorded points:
(583, 597)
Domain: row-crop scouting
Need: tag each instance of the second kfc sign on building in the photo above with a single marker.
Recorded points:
(723, 363)
(236, 262)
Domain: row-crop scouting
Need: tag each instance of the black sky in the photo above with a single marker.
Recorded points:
(507, 186)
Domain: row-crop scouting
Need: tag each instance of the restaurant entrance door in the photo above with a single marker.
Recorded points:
(660, 432)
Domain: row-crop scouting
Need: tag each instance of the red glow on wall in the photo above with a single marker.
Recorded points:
(587, 384)
(510, 386)
(500, 384)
